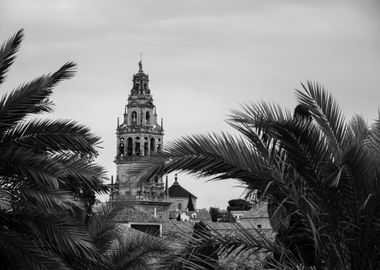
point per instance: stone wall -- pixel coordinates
(183, 201)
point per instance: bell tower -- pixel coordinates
(139, 135)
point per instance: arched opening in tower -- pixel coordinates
(129, 146)
(134, 118)
(152, 145)
(145, 148)
(137, 149)
(147, 118)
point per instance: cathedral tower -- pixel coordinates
(139, 135)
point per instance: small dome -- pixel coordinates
(177, 191)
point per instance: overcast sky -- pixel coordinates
(203, 57)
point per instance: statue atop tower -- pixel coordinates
(139, 135)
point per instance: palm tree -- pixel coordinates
(319, 173)
(123, 248)
(43, 164)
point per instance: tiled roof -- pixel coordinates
(174, 229)
(203, 214)
(179, 228)
(259, 210)
(129, 214)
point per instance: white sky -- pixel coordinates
(203, 58)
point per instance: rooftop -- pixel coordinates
(176, 190)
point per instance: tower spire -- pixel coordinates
(138, 138)
(140, 63)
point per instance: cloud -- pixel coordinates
(203, 57)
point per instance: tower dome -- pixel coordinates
(140, 83)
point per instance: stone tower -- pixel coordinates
(139, 135)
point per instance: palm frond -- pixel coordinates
(326, 112)
(358, 130)
(375, 133)
(82, 173)
(259, 110)
(5, 199)
(8, 52)
(104, 229)
(62, 234)
(50, 199)
(24, 252)
(43, 165)
(279, 138)
(31, 98)
(53, 135)
(246, 248)
(138, 251)
(220, 156)
(36, 168)
(247, 121)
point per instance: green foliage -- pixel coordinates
(238, 205)
(319, 173)
(199, 252)
(42, 162)
(227, 217)
(203, 255)
(122, 248)
(190, 205)
(215, 214)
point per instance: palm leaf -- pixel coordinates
(59, 232)
(259, 110)
(81, 172)
(50, 199)
(35, 168)
(375, 133)
(8, 53)
(24, 252)
(358, 130)
(53, 135)
(221, 156)
(31, 98)
(326, 112)
(138, 251)
(104, 229)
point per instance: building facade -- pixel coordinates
(139, 136)
(256, 217)
(179, 197)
